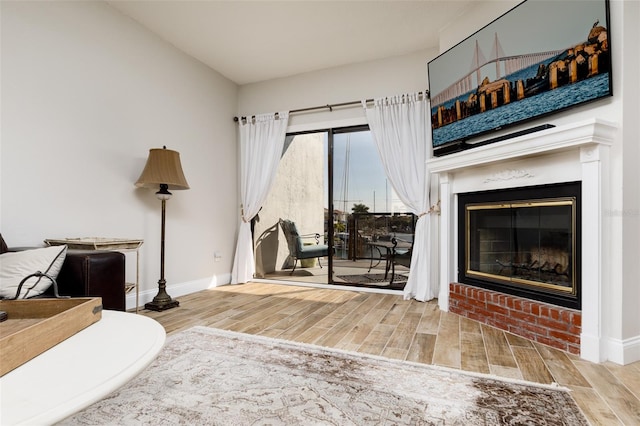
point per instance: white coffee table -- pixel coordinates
(81, 370)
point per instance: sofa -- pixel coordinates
(81, 273)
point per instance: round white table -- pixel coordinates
(80, 370)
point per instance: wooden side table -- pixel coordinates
(111, 244)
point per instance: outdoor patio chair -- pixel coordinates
(297, 249)
(396, 252)
(401, 256)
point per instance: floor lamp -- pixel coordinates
(163, 170)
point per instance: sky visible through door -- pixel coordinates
(359, 177)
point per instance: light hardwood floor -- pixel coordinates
(387, 325)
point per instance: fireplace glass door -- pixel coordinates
(523, 244)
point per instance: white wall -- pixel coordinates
(86, 92)
(627, 218)
(387, 77)
(398, 75)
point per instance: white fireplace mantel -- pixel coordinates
(555, 139)
(573, 152)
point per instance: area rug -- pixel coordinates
(205, 376)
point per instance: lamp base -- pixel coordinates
(162, 301)
(161, 306)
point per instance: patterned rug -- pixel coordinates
(205, 376)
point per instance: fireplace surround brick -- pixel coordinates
(547, 324)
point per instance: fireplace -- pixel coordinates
(571, 152)
(522, 241)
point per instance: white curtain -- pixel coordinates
(400, 131)
(261, 143)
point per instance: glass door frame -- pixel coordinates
(330, 180)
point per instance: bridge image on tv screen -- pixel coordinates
(544, 57)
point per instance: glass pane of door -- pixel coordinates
(373, 234)
(296, 201)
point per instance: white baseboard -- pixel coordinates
(599, 349)
(624, 351)
(177, 290)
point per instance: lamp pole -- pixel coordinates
(162, 300)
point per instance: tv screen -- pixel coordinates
(539, 58)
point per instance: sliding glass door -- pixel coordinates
(331, 189)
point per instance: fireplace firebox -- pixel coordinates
(523, 241)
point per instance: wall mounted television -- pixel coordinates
(539, 58)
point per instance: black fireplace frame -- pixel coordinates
(570, 189)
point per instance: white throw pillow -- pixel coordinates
(15, 266)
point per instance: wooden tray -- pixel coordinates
(36, 325)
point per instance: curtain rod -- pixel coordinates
(330, 107)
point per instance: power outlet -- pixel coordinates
(217, 256)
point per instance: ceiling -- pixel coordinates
(252, 41)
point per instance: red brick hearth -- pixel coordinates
(550, 325)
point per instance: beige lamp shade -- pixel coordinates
(163, 168)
